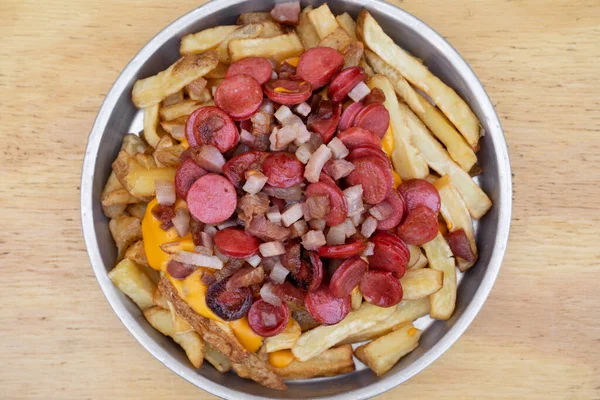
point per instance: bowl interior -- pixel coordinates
(119, 116)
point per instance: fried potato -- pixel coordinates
(152, 90)
(316, 341)
(338, 39)
(216, 358)
(180, 325)
(138, 180)
(125, 230)
(205, 40)
(168, 153)
(137, 210)
(456, 215)
(407, 311)
(254, 18)
(276, 47)
(323, 21)
(150, 124)
(304, 319)
(453, 106)
(217, 73)
(120, 196)
(136, 252)
(132, 280)
(286, 339)
(204, 96)
(114, 211)
(270, 29)
(356, 298)
(383, 353)
(112, 185)
(173, 98)
(146, 161)
(191, 342)
(353, 55)
(169, 125)
(348, 24)
(420, 283)
(408, 163)
(158, 299)
(415, 254)
(440, 258)
(306, 31)
(133, 144)
(243, 32)
(477, 202)
(181, 109)
(364, 65)
(421, 263)
(331, 362)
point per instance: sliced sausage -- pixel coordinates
(257, 67)
(236, 243)
(460, 245)
(348, 116)
(235, 169)
(228, 304)
(283, 169)
(318, 65)
(187, 173)
(375, 176)
(325, 308)
(376, 95)
(338, 208)
(211, 125)
(293, 296)
(381, 288)
(419, 192)
(287, 91)
(344, 82)
(212, 199)
(374, 117)
(419, 227)
(325, 121)
(368, 150)
(179, 270)
(390, 254)
(354, 137)
(347, 276)
(310, 274)
(239, 96)
(324, 178)
(267, 320)
(396, 203)
(350, 249)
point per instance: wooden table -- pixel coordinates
(538, 336)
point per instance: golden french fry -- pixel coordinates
(137, 210)
(348, 24)
(168, 153)
(204, 97)
(151, 123)
(138, 180)
(217, 73)
(353, 55)
(415, 254)
(158, 299)
(120, 196)
(180, 325)
(306, 31)
(146, 161)
(173, 98)
(136, 253)
(338, 39)
(114, 211)
(216, 358)
(254, 18)
(243, 32)
(270, 29)
(181, 109)
(420, 283)
(276, 47)
(315, 341)
(323, 21)
(169, 125)
(286, 339)
(133, 144)
(356, 298)
(131, 279)
(408, 163)
(456, 215)
(364, 65)
(112, 184)
(383, 353)
(407, 310)
(331, 362)
(125, 230)
(421, 263)
(152, 90)
(440, 258)
(205, 40)
(477, 202)
(454, 107)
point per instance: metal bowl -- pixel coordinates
(118, 116)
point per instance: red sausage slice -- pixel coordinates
(396, 203)
(348, 117)
(292, 296)
(256, 67)
(326, 120)
(419, 192)
(419, 227)
(344, 82)
(179, 270)
(324, 178)
(212, 199)
(310, 274)
(235, 169)
(210, 125)
(347, 276)
(374, 117)
(354, 137)
(239, 96)
(368, 150)
(228, 304)
(283, 169)
(381, 288)
(318, 65)
(267, 320)
(376, 95)
(325, 308)
(460, 245)
(288, 92)
(353, 248)
(375, 176)
(338, 208)
(390, 254)
(236, 243)
(187, 173)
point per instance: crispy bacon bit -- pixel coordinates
(338, 169)
(266, 230)
(164, 214)
(208, 278)
(299, 228)
(246, 276)
(254, 204)
(229, 269)
(196, 227)
(317, 206)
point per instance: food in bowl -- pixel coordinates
(273, 213)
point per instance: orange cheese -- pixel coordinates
(387, 143)
(397, 179)
(293, 61)
(281, 358)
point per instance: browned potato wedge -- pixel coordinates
(270, 29)
(276, 47)
(254, 18)
(117, 197)
(137, 210)
(173, 98)
(440, 258)
(420, 283)
(133, 144)
(125, 230)
(338, 39)
(146, 160)
(136, 253)
(353, 54)
(306, 31)
(205, 40)
(243, 32)
(114, 211)
(158, 299)
(112, 184)
(366, 67)
(305, 320)
(132, 280)
(331, 362)
(216, 358)
(138, 180)
(217, 73)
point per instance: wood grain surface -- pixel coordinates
(537, 337)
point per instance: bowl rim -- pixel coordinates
(386, 382)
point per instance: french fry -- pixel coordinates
(364, 65)
(286, 339)
(331, 362)
(348, 24)
(456, 215)
(168, 153)
(114, 211)
(173, 98)
(353, 55)
(415, 254)
(204, 96)
(254, 18)
(306, 31)
(112, 185)
(152, 90)
(205, 40)
(323, 21)
(136, 253)
(243, 32)
(158, 299)
(120, 196)
(440, 258)
(169, 125)
(420, 283)
(454, 107)
(270, 29)
(217, 73)
(146, 161)
(338, 40)
(137, 210)
(316, 341)
(356, 298)
(125, 230)
(191, 342)
(131, 279)
(133, 144)
(138, 180)
(276, 47)
(477, 202)
(407, 311)
(180, 325)
(383, 353)
(421, 263)
(150, 124)
(407, 161)
(181, 109)
(216, 358)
